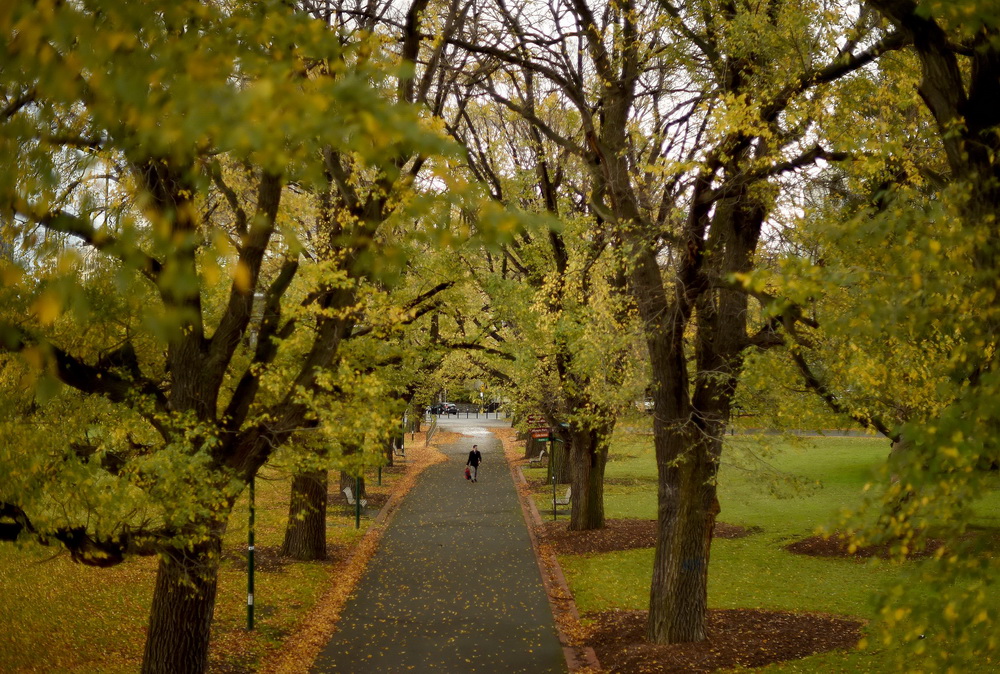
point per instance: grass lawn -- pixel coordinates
(65, 617)
(784, 488)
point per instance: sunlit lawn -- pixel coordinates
(786, 488)
(58, 616)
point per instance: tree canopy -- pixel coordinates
(231, 231)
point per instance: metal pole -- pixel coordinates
(380, 476)
(250, 527)
(357, 503)
(555, 471)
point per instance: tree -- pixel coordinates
(689, 117)
(351, 190)
(906, 286)
(557, 306)
(150, 410)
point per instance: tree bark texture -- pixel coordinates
(691, 417)
(389, 449)
(305, 533)
(357, 486)
(180, 618)
(687, 509)
(559, 463)
(588, 456)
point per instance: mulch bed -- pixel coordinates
(838, 546)
(624, 534)
(375, 501)
(736, 638)
(267, 558)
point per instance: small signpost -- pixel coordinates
(539, 426)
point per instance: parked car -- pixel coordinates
(443, 408)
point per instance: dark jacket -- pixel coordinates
(474, 458)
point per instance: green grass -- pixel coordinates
(786, 488)
(60, 616)
(753, 572)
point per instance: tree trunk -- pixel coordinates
(588, 457)
(396, 440)
(559, 463)
(687, 510)
(533, 448)
(358, 489)
(564, 467)
(180, 618)
(305, 533)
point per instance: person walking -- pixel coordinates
(473, 463)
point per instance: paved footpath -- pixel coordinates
(454, 586)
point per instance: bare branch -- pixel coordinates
(18, 103)
(231, 198)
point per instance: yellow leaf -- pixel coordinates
(242, 277)
(950, 452)
(47, 307)
(211, 273)
(10, 275)
(33, 356)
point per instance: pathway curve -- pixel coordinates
(454, 586)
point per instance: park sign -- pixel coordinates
(538, 426)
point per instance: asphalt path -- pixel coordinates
(454, 586)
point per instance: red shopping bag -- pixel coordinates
(468, 473)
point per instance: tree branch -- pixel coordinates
(816, 385)
(265, 351)
(84, 547)
(472, 346)
(18, 103)
(236, 318)
(230, 194)
(83, 229)
(81, 376)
